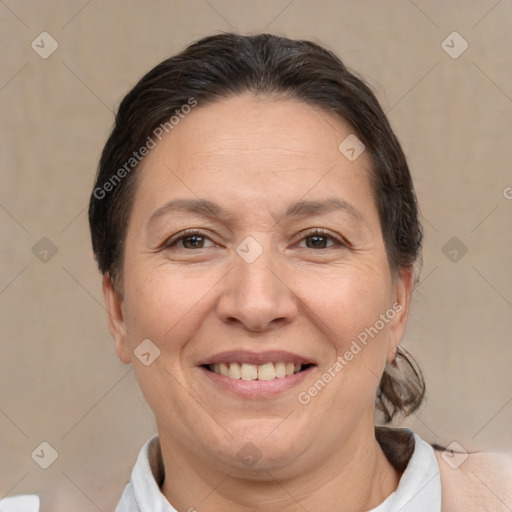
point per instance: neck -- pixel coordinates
(356, 477)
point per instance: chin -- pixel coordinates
(260, 446)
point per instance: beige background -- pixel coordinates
(60, 380)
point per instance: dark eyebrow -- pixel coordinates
(299, 208)
(198, 206)
(304, 207)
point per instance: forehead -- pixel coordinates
(249, 149)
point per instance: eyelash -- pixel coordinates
(172, 242)
(325, 234)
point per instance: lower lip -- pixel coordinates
(256, 389)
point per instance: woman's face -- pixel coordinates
(284, 263)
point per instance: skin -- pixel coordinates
(254, 156)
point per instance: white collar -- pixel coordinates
(419, 489)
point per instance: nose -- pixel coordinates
(257, 295)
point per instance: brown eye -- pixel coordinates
(317, 241)
(189, 240)
(193, 242)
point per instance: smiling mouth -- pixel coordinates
(266, 371)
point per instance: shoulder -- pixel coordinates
(475, 482)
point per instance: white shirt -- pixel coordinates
(419, 489)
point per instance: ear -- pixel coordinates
(114, 305)
(401, 297)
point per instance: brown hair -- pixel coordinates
(229, 64)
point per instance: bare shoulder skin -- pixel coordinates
(482, 482)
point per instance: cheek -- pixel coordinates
(166, 310)
(165, 306)
(351, 301)
(355, 313)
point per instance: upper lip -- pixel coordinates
(258, 358)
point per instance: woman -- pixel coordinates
(256, 226)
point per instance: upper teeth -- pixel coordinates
(245, 371)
